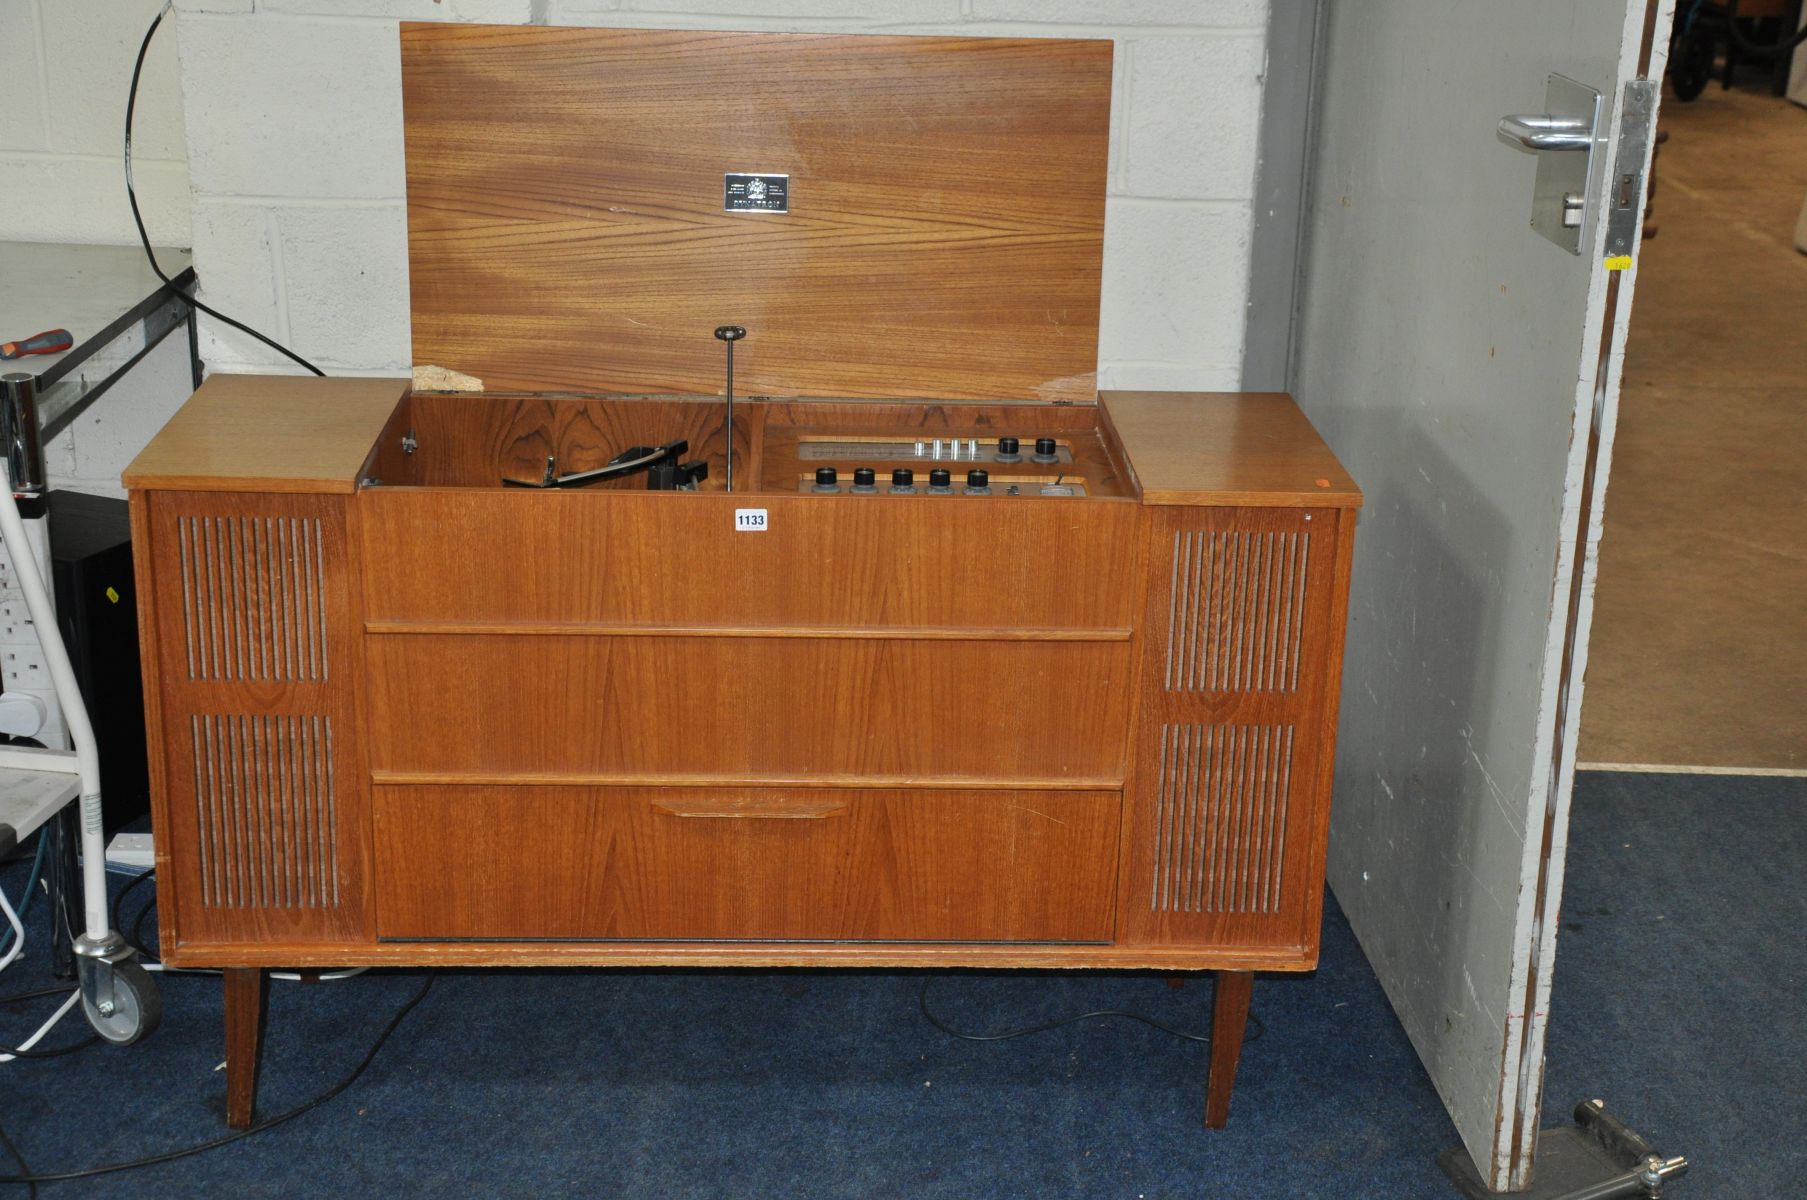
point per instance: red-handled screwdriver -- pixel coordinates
(48, 342)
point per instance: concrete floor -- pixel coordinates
(1699, 646)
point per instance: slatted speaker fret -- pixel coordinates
(266, 811)
(1236, 615)
(1220, 835)
(253, 603)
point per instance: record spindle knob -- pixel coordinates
(729, 333)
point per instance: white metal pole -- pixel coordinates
(69, 697)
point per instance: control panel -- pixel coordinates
(1045, 451)
(1040, 466)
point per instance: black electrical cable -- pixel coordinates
(136, 941)
(24, 1167)
(132, 938)
(27, 1177)
(38, 994)
(922, 1000)
(125, 891)
(58, 1052)
(144, 238)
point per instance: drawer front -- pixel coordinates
(678, 559)
(675, 864)
(627, 710)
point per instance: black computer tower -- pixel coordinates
(97, 609)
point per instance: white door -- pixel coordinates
(1465, 369)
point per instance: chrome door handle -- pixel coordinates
(1563, 138)
(1541, 131)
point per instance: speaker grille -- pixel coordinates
(1220, 835)
(266, 811)
(252, 597)
(1236, 614)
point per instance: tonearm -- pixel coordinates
(663, 471)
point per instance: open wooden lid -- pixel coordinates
(568, 227)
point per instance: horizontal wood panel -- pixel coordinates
(740, 708)
(764, 779)
(929, 955)
(566, 229)
(1226, 448)
(917, 633)
(649, 558)
(663, 864)
(269, 433)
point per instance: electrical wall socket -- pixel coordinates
(23, 669)
(16, 625)
(132, 851)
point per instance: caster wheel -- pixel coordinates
(1691, 65)
(137, 1006)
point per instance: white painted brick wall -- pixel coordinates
(293, 118)
(90, 455)
(64, 66)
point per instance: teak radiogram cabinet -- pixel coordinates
(1072, 704)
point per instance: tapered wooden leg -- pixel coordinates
(1229, 1018)
(244, 1032)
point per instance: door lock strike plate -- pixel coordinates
(1625, 212)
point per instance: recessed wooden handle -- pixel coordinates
(781, 807)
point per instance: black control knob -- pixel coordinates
(941, 477)
(978, 479)
(903, 477)
(864, 477)
(826, 479)
(1008, 445)
(1046, 449)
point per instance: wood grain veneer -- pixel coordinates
(929, 955)
(416, 717)
(566, 230)
(561, 643)
(269, 433)
(643, 864)
(1223, 448)
(731, 708)
(475, 441)
(1224, 823)
(675, 559)
(258, 748)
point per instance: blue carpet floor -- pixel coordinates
(1676, 1001)
(1680, 974)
